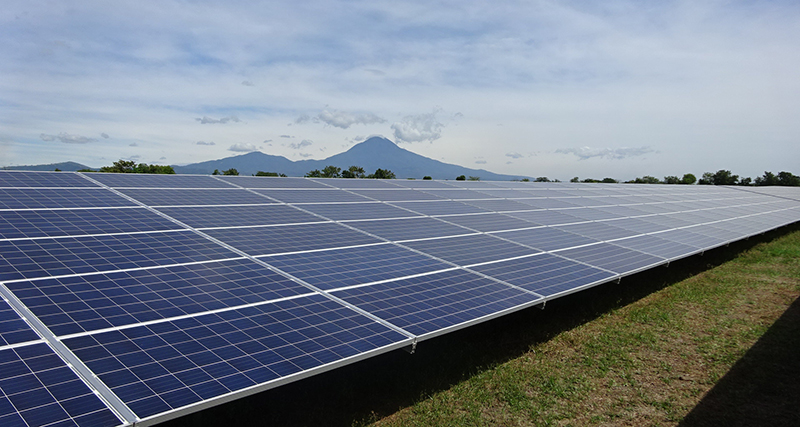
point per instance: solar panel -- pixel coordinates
(134, 299)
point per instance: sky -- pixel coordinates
(560, 89)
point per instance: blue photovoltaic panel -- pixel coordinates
(458, 194)
(588, 214)
(355, 211)
(505, 193)
(313, 196)
(440, 207)
(428, 304)
(488, 222)
(543, 203)
(614, 258)
(144, 180)
(76, 222)
(194, 196)
(637, 225)
(13, 330)
(591, 201)
(172, 364)
(597, 230)
(545, 217)
(238, 216)
(546, 238)
(27, 259)
(477, 185)
(415, 183)
(396, 195)
(353, 266)
(410, 229)
(356, 183)
(657, 246)
(43, 179)
(69, 305)
(38, 389)
(468, 250)
(546, 274)
(499, 205)
(270, 182)
(39, 198)
(291, 238)
(692, 239)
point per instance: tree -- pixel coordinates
(706, 179)
(746, 181)
(313, 174)
(769, 178)
(231, 171)
(609, 181)
(525, 180)
(331, 172)
(575, 179)
(788, 179)
(474, 178)
(647, 179)
(382, 174)
(542, 179)
(260, 173)
(216, 172)
(688, 179)
(130, 166)
(672, 179)
(725, 177)
(354, 172)
(461, 178)
(426, 177)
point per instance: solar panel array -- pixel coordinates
(138, 298)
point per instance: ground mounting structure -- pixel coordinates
(133, 299)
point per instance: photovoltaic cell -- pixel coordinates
(657, 246)
(144, 180)
(355, 211)
(597, 230)
(545, 203)
(396, 195)
(499, 205)
(43, 179)
(291, 238)
(409, 229)
(457, 194)
(313, 196)
(546, 238)
(353, 266)
(614, 258)
(172, 364)
(13, 330)
(689, 238)
(28, 259)
(45, 198)
(545, 217)
(238, 216)
(75, 304)
(38, 389)
(429, 304)
(270, 182)
(440, 207)
(468, 250)
(355, 183)
(546, 274)
(488, 222)
(75, 222)
(193, 196)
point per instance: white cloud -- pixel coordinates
(67, 138)
(248, 83)
(305, 155)
(418, 128)
(287, 136)
(133, 144)
(299, 145)
(243, 147)
(480, 162)
(105, 135)
(584, 153)
(205, 143)
(514, 155)
(205, 120)
(343, 119)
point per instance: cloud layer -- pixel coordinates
(584, 153)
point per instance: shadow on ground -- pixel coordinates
(763, 387)
(379, 386)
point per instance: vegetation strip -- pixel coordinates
(708, 346)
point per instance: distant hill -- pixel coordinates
(371, 154)
(64, 166)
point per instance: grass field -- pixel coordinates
(710, 340)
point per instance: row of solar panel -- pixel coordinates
(171, 319)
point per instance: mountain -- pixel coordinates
(64, 166)
(371, 154)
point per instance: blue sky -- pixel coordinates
(540, 88)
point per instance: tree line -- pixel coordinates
(720, 177)
(351, 172)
